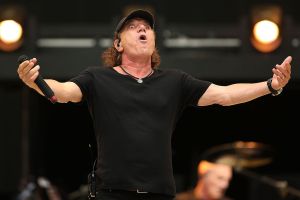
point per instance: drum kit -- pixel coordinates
(240, 154)
(244, 156)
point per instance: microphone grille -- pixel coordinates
(22, 58)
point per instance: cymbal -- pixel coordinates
(240, 154)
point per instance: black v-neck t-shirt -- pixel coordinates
(133, 124)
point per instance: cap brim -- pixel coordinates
(136, 14)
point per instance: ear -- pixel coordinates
(205, 166)
(117, 45)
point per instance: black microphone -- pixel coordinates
(41, 83)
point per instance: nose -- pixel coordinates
(141, 27)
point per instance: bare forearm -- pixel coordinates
(58, 89)
(240, 93)
(244, 92)
(62, 91)
(55, 86)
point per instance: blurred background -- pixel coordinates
(221, 41)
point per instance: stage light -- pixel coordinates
(266, 28)
(11, 27)
(266, 31)
(10, 31)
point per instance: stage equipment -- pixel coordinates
(242, 156)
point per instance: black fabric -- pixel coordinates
(133, 124)
(130, 195)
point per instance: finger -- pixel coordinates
(34, 76)
(27, 77)
(280, 81)
(30, 78)
(22, 66)
(287, 60)
(288, 67)
(28, 67)
(34, 60)
(35, 69)
(283, 70)
(278, 73)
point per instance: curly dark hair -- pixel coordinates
(111, 57)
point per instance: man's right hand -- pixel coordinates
(28, 72)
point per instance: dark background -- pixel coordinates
(58, 135)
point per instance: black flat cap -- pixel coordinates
(143, 14)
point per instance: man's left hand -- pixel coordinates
(281, 74)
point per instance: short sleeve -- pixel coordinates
(192, 89)
(84, 80)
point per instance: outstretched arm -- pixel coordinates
(64, 92)
(244, 92)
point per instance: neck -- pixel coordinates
(199, 192)
(136, 65)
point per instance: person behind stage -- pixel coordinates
(213, 181)
(135, 107)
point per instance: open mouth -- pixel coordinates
(143, 38)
